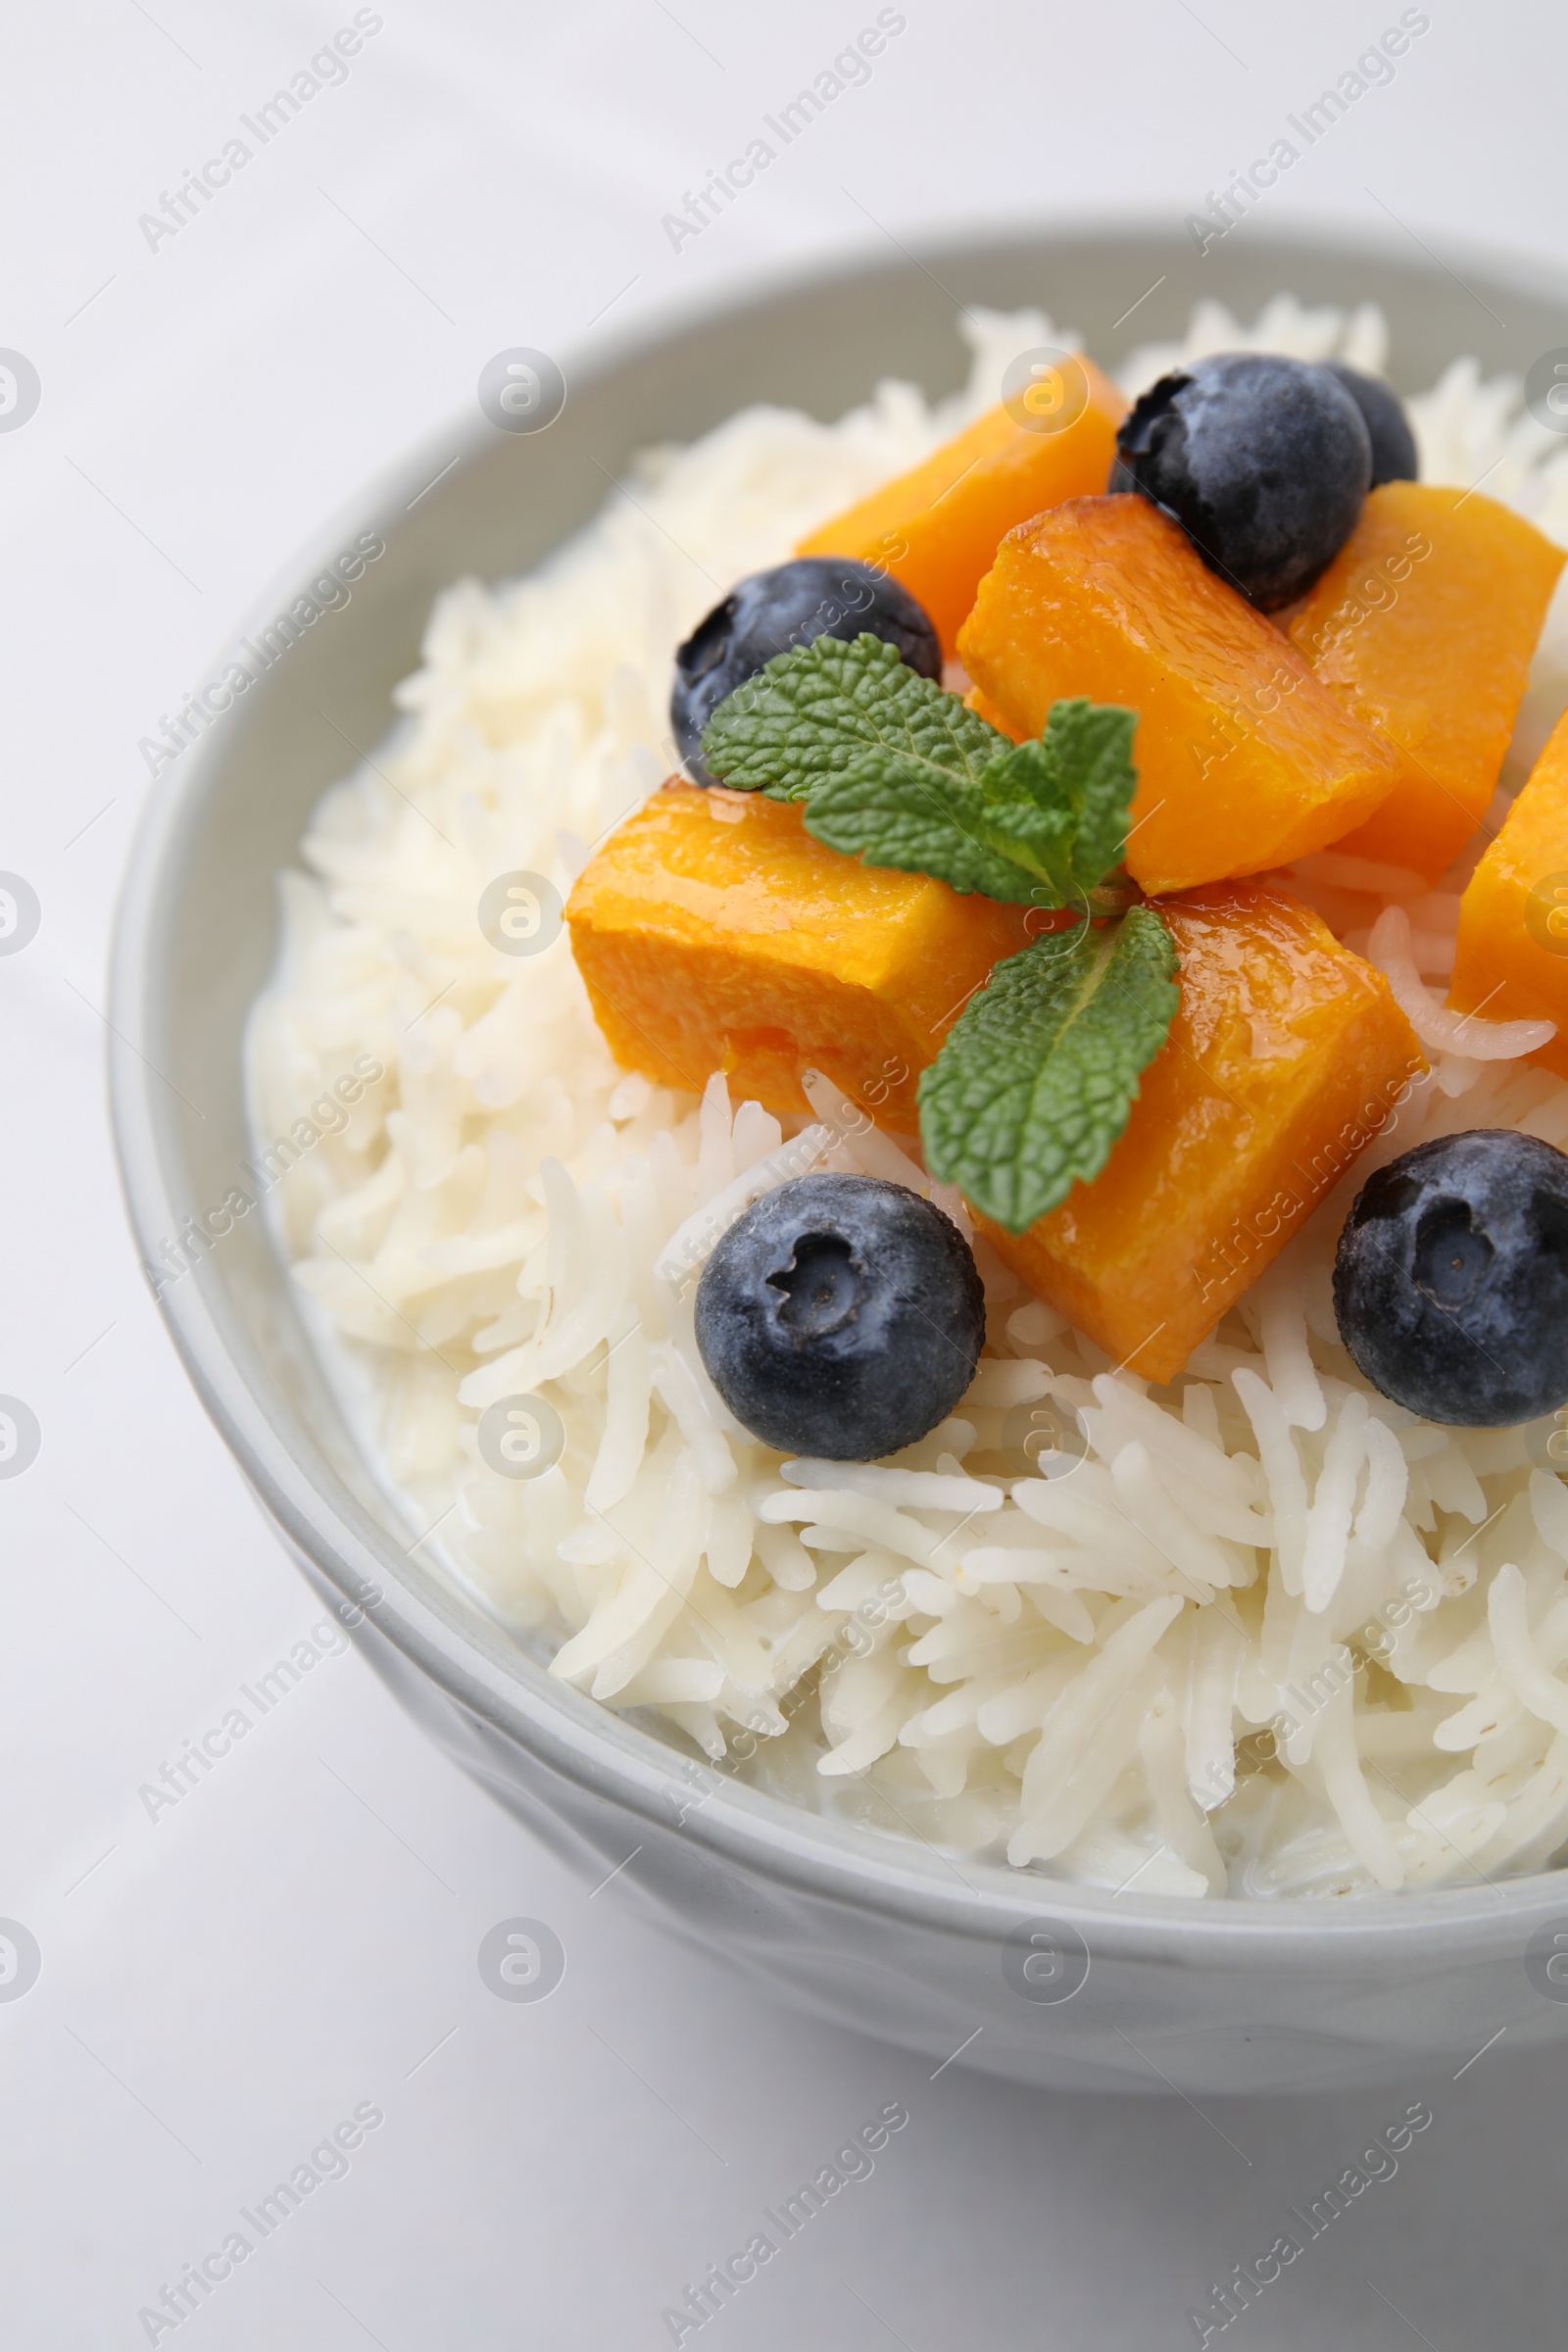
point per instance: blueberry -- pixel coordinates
(1263, 462)
(1450, 1285)
(841, 1317)
(1393, 458)
(816, 596)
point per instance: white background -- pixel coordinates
(221, 1987)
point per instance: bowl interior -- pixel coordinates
(199, 926)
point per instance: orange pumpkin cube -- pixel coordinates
(715, 932)
(1512, 959)
(1245, 759)
(1287, 1055)
(938, 528)
(1423, 628)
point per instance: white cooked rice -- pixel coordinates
(1079, 1671)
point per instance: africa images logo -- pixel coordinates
(328, 70)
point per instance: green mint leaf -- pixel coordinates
(899, 773)
(891, 811)
(1080, 773)
(1040, 827)
(818, 708)
(1035, 1081)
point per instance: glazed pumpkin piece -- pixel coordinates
(1245, 761)
(1423, 628)
(1512, 959)
(715, 932)
(938, 528)
(1286, 1058)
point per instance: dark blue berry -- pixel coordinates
(841, 1317)
(815, 596)
(1393, 458)
(1263, 462)
(1450, 1285)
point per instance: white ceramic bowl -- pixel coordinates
(870, 1930)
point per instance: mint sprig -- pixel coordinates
(897, 772)
(1036, 1080)
(887, 810)
(1042, 826)
(1038, 1075)
(815, 709)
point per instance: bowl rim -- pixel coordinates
(902, 1879)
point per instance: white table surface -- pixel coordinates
(223, 1984)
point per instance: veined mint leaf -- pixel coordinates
(891, 811)
(818, 708)
(897, 772)
(1081, 773)
(1040, 827)
(1035, 1081)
